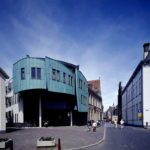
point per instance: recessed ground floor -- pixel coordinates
(56, 109)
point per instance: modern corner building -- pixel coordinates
(136, 93)
(3, 77)
(49, 90)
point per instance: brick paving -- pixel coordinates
(71, 137)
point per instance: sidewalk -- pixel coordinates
(71, 137)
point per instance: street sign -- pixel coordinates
(139, 113)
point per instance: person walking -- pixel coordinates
(121, 123)
(94, 125)
(115, 123)
(88, 125)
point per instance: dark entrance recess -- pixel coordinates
(31, 107)
(56, 108)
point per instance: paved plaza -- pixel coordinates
(71, 137)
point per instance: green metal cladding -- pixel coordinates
(46, 82)
(82, 107)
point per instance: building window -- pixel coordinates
(38, 73)
(33, 73)
(80, 83)
(69, 80)
(22, 73)
(64, 77)
(58, 75)
(84, 100)
(53, 74)
(81, 99)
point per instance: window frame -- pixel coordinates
(22, 73)
(64, 77)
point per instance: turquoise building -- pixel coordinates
(51, 90)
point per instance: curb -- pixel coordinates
(100, 141)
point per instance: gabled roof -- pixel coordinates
(147, 59)
(4, 73)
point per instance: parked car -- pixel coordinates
(107, 120)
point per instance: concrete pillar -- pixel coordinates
(21, 108)
(40, 112)
(71, 118)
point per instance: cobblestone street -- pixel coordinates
(71, 137)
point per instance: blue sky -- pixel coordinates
(104, 37)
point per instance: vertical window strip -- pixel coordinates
(22, 73)
(64, 77)
(53, 74)
(58, 75)
(38, 73)
(33, 74)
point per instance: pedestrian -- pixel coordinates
(121, 122)
(46, 123)
(94, 125)
(115, 123)
(88, 125)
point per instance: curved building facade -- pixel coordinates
(51, 90)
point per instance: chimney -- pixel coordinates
(146, 47)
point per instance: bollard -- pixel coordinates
(147, 125)
(11, 145)
(59, 144)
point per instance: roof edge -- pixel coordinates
(4, 73)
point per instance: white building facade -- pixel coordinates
(3, 77)
(14, 105)
(136, 94)
(95, 106)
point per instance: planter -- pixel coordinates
(46, 141)
(4, 143)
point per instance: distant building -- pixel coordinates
(95, 86)
(112, 113)
(136, 94)
(3, 77)
(95, 111)
(120, 102)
